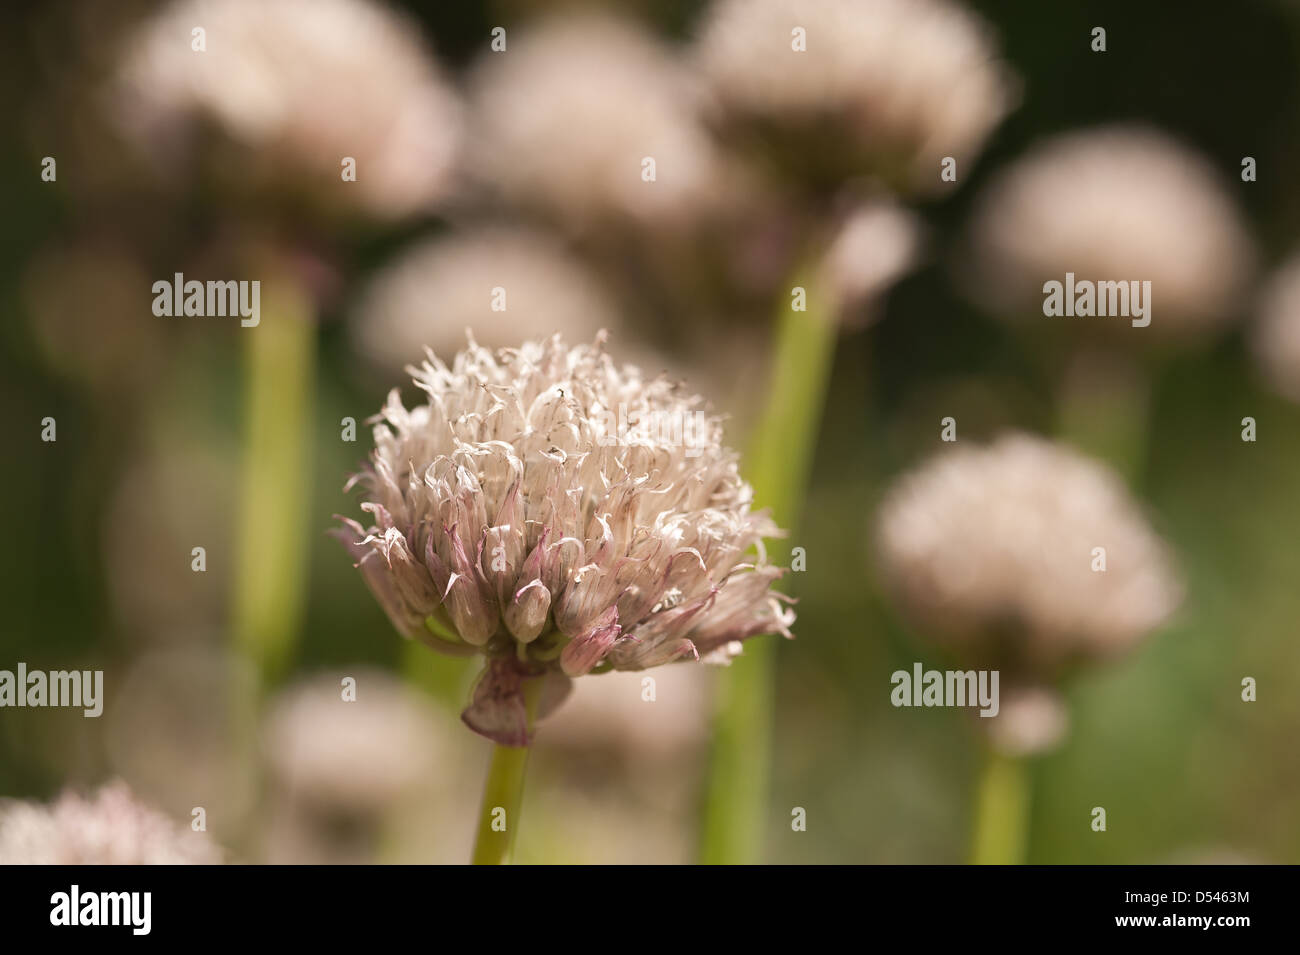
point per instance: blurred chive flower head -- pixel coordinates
(883, 86)
(1030, 720)
(386, 736)
(1275, 337)
(290, 87)
(609, 716)
(469, 274)
(1115, 203)
(564, 123)
(990, 551)
(877, 244)
(111, 827)
(559, 514)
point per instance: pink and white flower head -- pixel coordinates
(559, 514)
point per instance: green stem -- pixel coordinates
(270, 566)
(503, 794)
(498, 817)
(1001, 811)
(1104, 410)
(778, 464)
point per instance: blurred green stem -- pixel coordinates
(443, 677)
(778, 463)
(270, 567)
(1001, 811)
(1104, 401)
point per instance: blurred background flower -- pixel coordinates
(878, 243)
(362, 769)
(564, 120)
(291, 87)
(993, 554)
(888, 87)
(1113, 204)
(506, 285)
(109, 827)
(1021, 559)
(1275, 339)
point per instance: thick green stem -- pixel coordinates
(778, 464)
(270, 566)
(1001, 811)
(498, 817)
